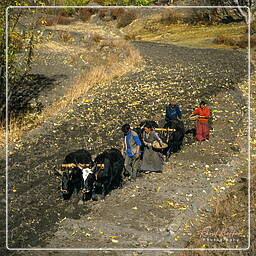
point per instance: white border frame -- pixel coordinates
(249, 133)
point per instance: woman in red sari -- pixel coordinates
(202, 127)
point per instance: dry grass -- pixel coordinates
(231, 209)
(54, 20)
(199, 36)
(66, 37)
(64, 20)
(96, 37)
(130, 37)
(111, 69)
(238, 41)
(2, 135)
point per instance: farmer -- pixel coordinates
(152, 159)
(131, 151)
(202, 127)
(172, 111)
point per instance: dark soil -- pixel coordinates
(153, 211)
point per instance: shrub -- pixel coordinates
(72, 11)
(63, 20)
(66, 37)
(116, 13)
(253, 27)
(85, 13)
(170, 16)
(76, 2)
(50, 21)
(137, 2)
(17, 39)
(103, 13)
(223, 39)
(127, 18)
(253, 40)
(96, 37)
(241, 42)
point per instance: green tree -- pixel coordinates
(17, 41)
(136, 2)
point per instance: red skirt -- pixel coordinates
(202, 131)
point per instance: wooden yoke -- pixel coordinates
(80, 165)
(165, 129)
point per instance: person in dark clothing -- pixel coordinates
(152, 160)
(172, 111)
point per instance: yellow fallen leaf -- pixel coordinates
(14, 190)
(186, 226)
(114, 241)
(170, 203)
(135, 208)
(216, 190)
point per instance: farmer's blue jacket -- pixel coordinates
(172, 113)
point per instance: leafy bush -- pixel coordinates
(18, 41)
(136, 2)
(106, 2)
(72, 11)
(76, 2)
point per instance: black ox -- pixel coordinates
(73, 167)
(173, 139)
(107, 174)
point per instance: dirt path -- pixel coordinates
(157, 209)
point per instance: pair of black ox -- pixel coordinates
(174, 139)
(81, 173)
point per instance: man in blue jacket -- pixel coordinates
(131, 151)
(172, 111)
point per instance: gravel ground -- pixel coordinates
(158, 210)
